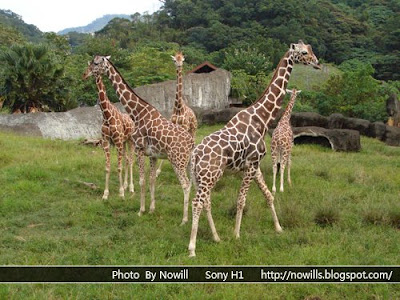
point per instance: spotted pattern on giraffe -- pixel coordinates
(117, 128)
(240, 146)
(154, 135)
(282, 142)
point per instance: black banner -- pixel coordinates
(199, 274)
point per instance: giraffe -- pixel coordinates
(240, 146)
(282, 142)
(154, 135)
(182, 114)
(117, 128)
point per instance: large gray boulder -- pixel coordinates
(83, 122)
(392, 136)
(216, 116)
(302, 119)
(336, 139)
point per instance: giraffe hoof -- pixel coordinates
(192, 253)
(158, 172)
(279, 229)
(140, 213)
(217, 239)
(183, 222)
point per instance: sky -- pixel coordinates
(55, 15)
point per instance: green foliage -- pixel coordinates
(354, 93)
(34, 78)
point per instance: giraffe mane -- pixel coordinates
(128, 86)
(273, 77)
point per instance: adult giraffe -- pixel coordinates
(240, 146)
(154, 135)
(117, 128)
(182, 114)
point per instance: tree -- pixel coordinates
(34, 79)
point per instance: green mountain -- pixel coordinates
(96, 25)
(9, 19)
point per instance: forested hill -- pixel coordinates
(12, 21)
(94, 26)
(359, 39)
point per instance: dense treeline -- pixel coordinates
(246, 37)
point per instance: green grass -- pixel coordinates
(308, 79)
(343, 209)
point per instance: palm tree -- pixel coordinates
(33, 78)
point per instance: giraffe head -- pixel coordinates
(303, 54)
(178, 59)
(293, 92)
(97, 67)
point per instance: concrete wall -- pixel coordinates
(203, 91)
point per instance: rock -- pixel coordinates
(303, 119)
(337, 139)
(216, 116)
(377, 130)
(336, 121)
(392, 136)
(83, 122)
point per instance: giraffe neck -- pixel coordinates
(132, 103)
(271, 101)
(103, 99)
(178, 107)
(288, 111)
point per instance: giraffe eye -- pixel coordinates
(304, 52)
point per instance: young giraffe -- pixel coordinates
(182, 114)
(282, 142)
(118, 128)
(154, 135)
(240, 146)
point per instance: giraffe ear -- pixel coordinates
(88, 63)
(173, 57)
(293, 46)
(289, 91)
(108, 57)
(299, 91)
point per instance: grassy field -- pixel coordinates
(343, 209)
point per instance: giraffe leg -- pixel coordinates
(288, 170)
(126, 158)
(283, 165)
(269, 197)
(202, 196)
(106, 148)
(129, 158)
(158, 172)
(142, 182)
(186, 186)
(121, 154)
(207, 207)
(153, 166)
(241, 202)
(275, 170)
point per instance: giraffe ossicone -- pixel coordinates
(240, 146)
(282, 143)
(154, 135)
